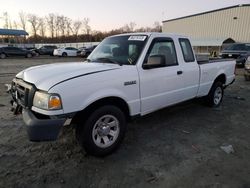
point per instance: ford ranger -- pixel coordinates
(125, 76)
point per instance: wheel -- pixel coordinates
(215, 95)
(2, 56)
(64, 54)
(247, 78)
(103, 131)
(29, 55)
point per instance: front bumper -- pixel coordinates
(42, 129)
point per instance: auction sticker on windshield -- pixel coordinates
(137, 37)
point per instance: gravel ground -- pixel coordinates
(174, 147)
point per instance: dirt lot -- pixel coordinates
(174, 147)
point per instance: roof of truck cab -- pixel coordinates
(154, 34)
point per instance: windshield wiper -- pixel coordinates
(104, 59)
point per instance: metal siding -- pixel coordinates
(217, 24)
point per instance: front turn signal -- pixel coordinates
(54, 103)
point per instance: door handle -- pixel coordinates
(179, 72)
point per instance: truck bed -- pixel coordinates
(214, 60)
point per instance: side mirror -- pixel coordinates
(154, 61)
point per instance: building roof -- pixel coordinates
(216, 10)
(13, 32)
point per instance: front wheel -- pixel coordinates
(103, 132)
(215, 96)
(2, 56)
(29, 55)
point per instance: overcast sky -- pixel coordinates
(111, 14)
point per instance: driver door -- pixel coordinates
(160, 85)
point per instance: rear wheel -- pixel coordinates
(103, 132)
(2, 56)
(215, 96)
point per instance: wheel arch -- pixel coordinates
(220, 78)
(116, 101)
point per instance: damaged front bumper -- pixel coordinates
(39, 127)
(42, 129)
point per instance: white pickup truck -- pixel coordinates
(125, 76)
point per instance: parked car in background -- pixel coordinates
(65, 51)
(14, 51)
(247, 69)
(238, 51)
(80, 50)
(87, 51)
(45, 50)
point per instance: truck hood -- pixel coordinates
(45, 77)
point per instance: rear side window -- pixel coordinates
(186, 50)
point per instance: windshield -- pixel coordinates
(123, 50)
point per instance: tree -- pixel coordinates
(132, 26)
(51, 24)
(129, 27)
(57, 25)
(42, 28)
(7, 22)
(86, 26)
(76, 27)
(15, 26)
(23, 20)
(68, 24)
(157, 27)
(34, 21)
(62, 24)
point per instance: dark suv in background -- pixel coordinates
(45, 50)
(14, 51)
(238, 51)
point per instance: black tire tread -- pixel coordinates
(210, 96)
(84, 131)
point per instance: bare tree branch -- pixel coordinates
(34, 21)
(23, 20)
(76, 27)
(42, 28)
(51, 24)
(86, 26)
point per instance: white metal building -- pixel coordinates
(209, 30)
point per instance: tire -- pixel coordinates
(215, 95)
(64, 54)
(29, 55)
(103, 131)
(2, 56)
(247, 78)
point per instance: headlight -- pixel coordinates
(47, 101)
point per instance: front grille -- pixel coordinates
(22, 92)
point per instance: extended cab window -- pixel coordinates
(162, 52)
(187, 51)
